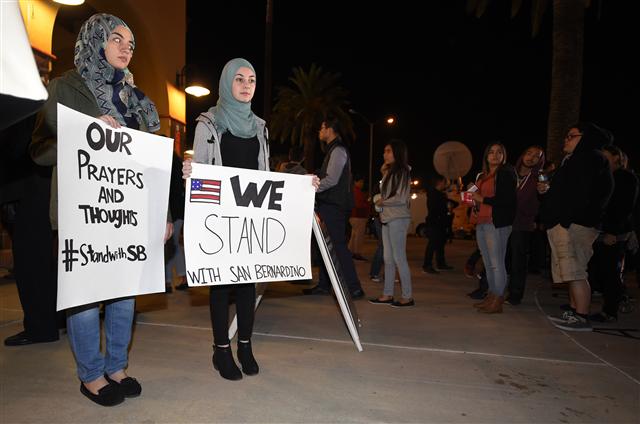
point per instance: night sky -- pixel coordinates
(481, 80)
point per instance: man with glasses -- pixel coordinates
(573, 206)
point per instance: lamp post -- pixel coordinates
(390, 121)
(355, 112)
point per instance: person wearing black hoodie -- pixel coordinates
(527, 170)
(607, 263)
(572, 209)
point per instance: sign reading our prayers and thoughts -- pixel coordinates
(113, 190)
(247, 226)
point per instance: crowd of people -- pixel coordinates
(586, 207)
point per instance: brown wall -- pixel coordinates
(160, 31)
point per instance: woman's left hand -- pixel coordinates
(168, 231)
(477, 197)
(315, 181)
(379, 202)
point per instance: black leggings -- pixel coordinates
(219, 308)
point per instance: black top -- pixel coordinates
(239, 152)
(580, 189)
(437, 208)
(618, 215)
(340, 195)
(503, 203)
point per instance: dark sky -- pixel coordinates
(444, 75)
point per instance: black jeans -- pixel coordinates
(219, 309)
(605, 271)
(437, 240)
(519, 242)
(34, 265)
(335, 220)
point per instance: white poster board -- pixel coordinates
(113, 191)
(247, 226)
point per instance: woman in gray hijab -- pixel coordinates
(100, 86)
(230, 134)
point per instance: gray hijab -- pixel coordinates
(101, 77)
(231, 114)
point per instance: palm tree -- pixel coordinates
(566, 68)
(299, 110)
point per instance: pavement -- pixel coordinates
(438, 362)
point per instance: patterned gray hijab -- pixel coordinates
(232, 114)
(101, 77)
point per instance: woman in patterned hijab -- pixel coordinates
(103, 50)
(101, 86)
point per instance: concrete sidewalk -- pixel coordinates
(440, 361)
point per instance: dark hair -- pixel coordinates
(434, 179)
(485, 162)
(398, 174)
(296, 153)
(616, 152)
(331, 121)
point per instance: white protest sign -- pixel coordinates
(246, 226)
(113, 190)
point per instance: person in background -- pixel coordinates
(334, 201)
(395, 193)
(528, 168)
(174, 249)
(607, 263)
(358, 219)
(572, 208)
(294, 166)
(437, 223)
(101, 86)
(496, 196)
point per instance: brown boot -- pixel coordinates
(493, 307)
(484, 301)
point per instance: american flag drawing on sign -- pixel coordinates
(205, 191)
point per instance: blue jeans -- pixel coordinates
(83, 327)
(493, 242)
(376, 262)
(394, 238)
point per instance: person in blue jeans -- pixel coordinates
(100, 86)
(377, 261)
(496, 197)
(395, 217)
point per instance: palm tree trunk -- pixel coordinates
(566, 73)
(309, 152)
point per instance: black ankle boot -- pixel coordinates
(224, 363)
(246, 359)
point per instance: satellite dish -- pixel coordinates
(452, 159)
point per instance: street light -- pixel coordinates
(194, 89)
(390, 121)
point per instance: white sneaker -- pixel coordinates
(574, 323)
(561, 318)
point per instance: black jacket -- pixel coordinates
(581, 187)
(618, 216)
(503, 203)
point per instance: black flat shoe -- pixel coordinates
(246, 359)
(377, 301)
(357, 294)
(223, 363)
(129, 386)
(109, 395)
(315, 290)
(23, 339)
(398, 304)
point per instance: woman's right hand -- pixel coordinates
(542, 187)
(186, 168)
(110, 120)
